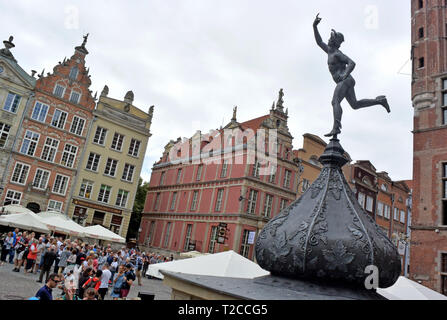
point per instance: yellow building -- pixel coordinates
(111, 164)
(16, 92)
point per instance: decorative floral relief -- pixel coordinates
(338, 257)
(335, 186)
(318, 185)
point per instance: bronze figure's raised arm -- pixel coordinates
(341, 67)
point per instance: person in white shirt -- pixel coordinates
(105, 278)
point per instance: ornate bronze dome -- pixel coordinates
(326, 235)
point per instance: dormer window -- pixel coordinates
(73, 73)
(278, 123)
(75, 96)
(59, 91)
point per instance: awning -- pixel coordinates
(58, 222)
(26, 221)
(406, 289)
(99, 232)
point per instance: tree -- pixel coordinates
(138, 206)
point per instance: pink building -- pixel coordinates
(212, 192)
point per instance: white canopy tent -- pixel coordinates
(26, 220)
(406, 289)
(192, 254)
(14, 208)
(55, 221)
(223, 264)
(99, 232)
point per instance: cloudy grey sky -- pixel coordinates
(195, 59)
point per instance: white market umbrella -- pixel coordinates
(14, 208)
(406, 289)
(223, 264)
(26, 220)
(192, 254)
(58, 222)
(99, 232)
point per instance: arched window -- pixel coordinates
(73, 73)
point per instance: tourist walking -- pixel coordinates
(48, 260)
(105, 278)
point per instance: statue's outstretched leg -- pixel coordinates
(364, 103)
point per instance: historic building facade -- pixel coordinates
(51, 137)
(16, 93)
(429, 96)
(109, 172)
(213, 192)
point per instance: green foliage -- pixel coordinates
(137, 210)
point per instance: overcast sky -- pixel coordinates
(196, 59)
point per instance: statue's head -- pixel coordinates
(336, 39)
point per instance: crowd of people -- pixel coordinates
(83, 271)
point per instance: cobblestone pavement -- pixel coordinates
(20, 286)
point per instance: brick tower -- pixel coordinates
(429, 96)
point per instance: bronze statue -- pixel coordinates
(341, 67)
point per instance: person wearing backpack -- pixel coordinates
(93, 282)
(129, 278)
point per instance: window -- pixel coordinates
(29, 143)
(267, 206)
(444, 101)
(59, 91)
(49, 149)
(283, 204)
(223, 173)
(380, 209)
(121, 199)
(100, 136)
(41, 179)
(421, 4)
(384, 187)
(361, 198)
(387, 211)
(174, 198)
(73, 73)
(60, 184)
(12, 102)
(396, 214)
(179, 175)
(59, 118)
(39, 112)
(213, 239)
(255, 172)
(272, 174)
(195, 197)
(98, 217)
(77, 126)
(20, 173)
(245, 247)
(157, 201)
(4, 133)
(287, 175)
(75, 96)
(69, 155)
(306, 185)
(421, 62)
(443, 274)
(187, 237)
(134, 147)
(218, 206)
(110, 169)
(252, 201)
(199, 172)
(162, 178)
(128, 172)
(167, 235)
(86, 189)
(12, 197)
(104, 193)
(151, 233)
(402, 216)
(421, 33)
(93, 161)
(369, 203)
(54, 205)
(115, 223)
(117, 142)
